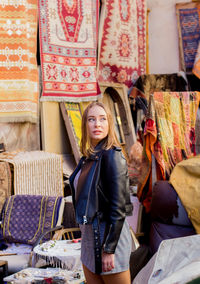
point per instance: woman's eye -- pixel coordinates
(91, 119)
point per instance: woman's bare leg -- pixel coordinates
(123, 277)
(92, 278)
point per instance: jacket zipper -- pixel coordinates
(87, 205)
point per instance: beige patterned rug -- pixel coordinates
(36, 172)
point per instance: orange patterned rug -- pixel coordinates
(18, 66)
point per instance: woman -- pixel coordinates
(101, 198)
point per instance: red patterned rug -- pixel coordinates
(68, 36)
(122, 41)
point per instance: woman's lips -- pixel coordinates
(97, 132)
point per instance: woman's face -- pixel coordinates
(97, 123)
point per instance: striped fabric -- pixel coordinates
(36, 172)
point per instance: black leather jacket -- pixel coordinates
(104, 188)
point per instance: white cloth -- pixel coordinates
(16, 248)
(176, 261)
(35, 275)
(62, 253)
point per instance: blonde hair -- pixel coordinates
(109, 141)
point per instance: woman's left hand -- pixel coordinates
(108, 262)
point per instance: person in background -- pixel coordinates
(101, 198)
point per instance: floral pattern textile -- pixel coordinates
(169, 135)
(122, 41)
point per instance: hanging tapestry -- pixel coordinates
(189, 33)
(122, 41)
(169, 135)
(68, 37)
(5, 182)
(18, 66)
(36, 172)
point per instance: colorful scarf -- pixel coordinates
(169, 135)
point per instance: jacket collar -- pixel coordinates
(97, 151)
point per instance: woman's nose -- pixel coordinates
(97, 122)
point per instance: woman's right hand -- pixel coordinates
(108, 262)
